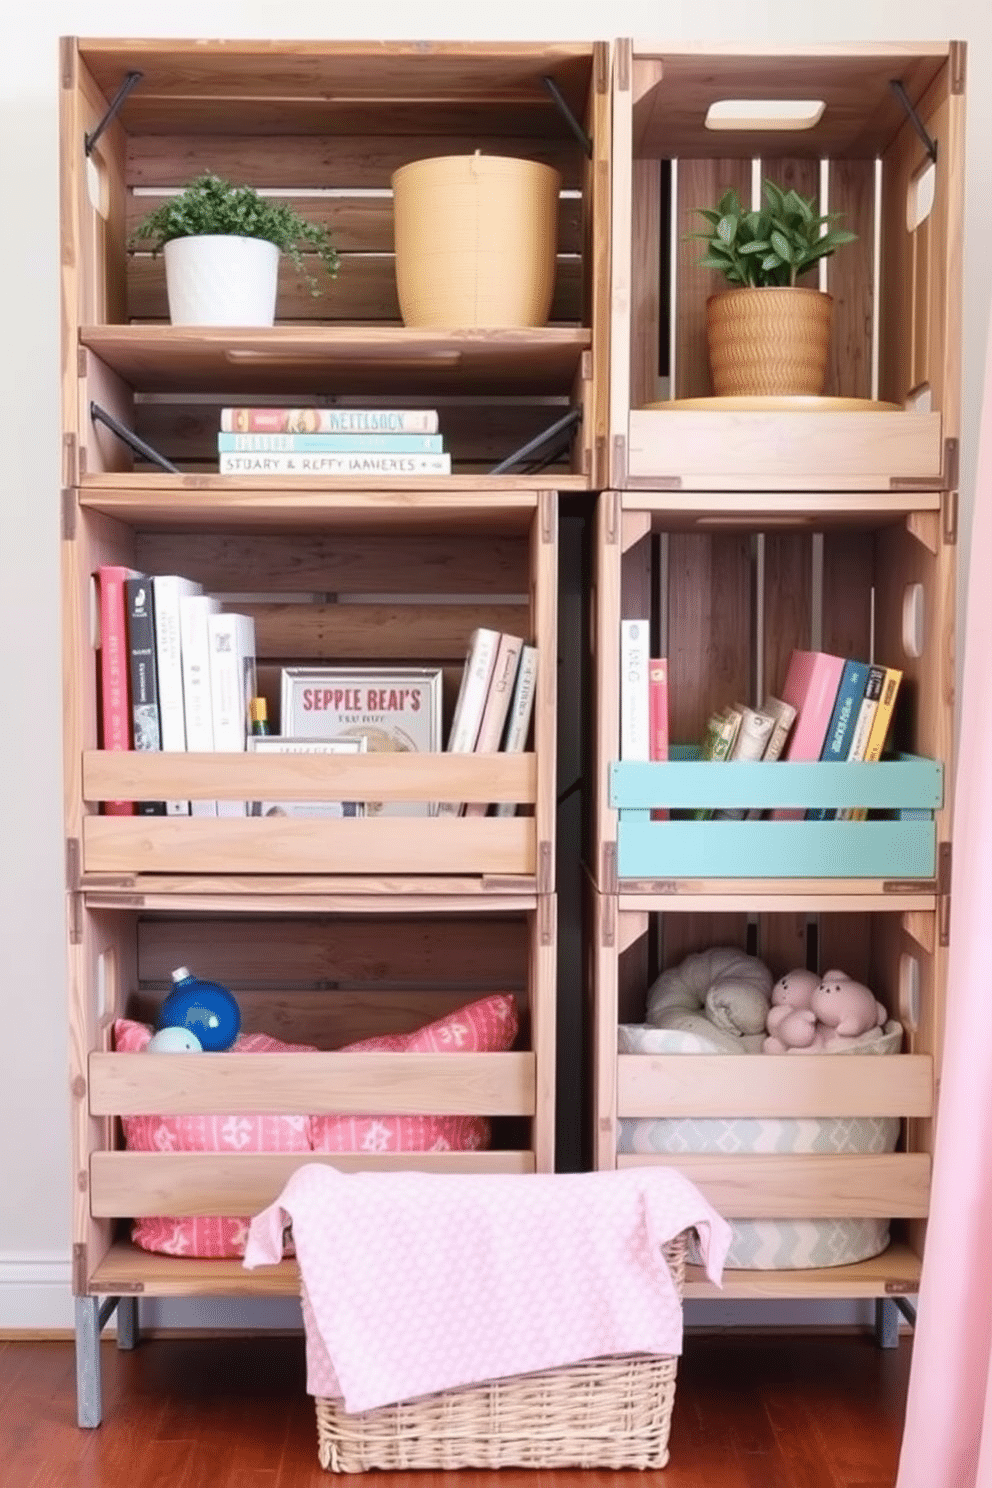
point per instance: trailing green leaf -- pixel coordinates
(210, 205)
(773, 246)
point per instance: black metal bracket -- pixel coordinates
(573, 416)
(101, 416)
(568, 116)
(914, 118)
(89, 140)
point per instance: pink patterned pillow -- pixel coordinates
(486, 1026)
(203, 1235)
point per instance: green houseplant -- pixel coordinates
(222, 244)
(767, 334)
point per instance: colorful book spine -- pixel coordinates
(471, 701)
(520, 713)
(326, 444)
(862, 732)
(194, 610)
(843, 720)
(658, 718)
(497, 706)
(635, 708)
(146, 731)
(168, 590)
(721, 736)
(752, 740)
(880, 725)
(329, 420)
(784, 715)
(114, 702)
(325, 465)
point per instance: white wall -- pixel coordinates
(34, 1166)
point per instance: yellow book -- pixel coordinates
(880, 726)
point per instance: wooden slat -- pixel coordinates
(807, 1086)
(698, 183)
(816, 895)
(710, 628)
(787, 1187)
(139, 776)
(311, 893)
(431, 949)
(447, 845)
(129, 1184)
(386, 360)
(358, 224)
(377, 632)
(344, 1084)
(851, 187)
(365, 289)
(331, 1018)
(801, 451)
(766, 509)
(896, 1272)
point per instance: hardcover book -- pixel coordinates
(811, 685)
(394, 709)
(194, 611)
(880, 725)
(307, 810)
(497, 705)
(635, 719)
(327, 444)
(115, 708)
(840, 730)
(658, 718)
(471, 701)
(519, 716)
(232, 687)
(233, 464)
(146, 732)
(862, 731)
(329, 420)
(167, 590)
(753, 736)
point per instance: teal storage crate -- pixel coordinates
(899, 844)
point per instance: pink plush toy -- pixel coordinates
(847, 1009)
(791, 1022)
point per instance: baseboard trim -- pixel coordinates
(35, 1293)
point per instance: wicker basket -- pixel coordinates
(610, 1413)
(769, 341)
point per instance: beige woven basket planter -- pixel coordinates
(610, 1413)
(765, 342)
(475, 238)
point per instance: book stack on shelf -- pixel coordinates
(493, 708)
(832, 709)
(331, 441)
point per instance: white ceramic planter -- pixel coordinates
(221, 281)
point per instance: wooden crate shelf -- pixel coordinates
(897, 315)
(327, 127)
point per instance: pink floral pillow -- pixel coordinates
(487, 1026)
(202, 1235)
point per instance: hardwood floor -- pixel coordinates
(758, 1411)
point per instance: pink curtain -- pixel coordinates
(948, 1436)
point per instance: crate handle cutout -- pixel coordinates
(919, 399)
(920, 195)
(909, 991)
(765, 113)
(913, 620)
(106, 986)
(97, 187)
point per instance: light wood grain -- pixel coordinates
(810, 1086)
(130, 1184)
(780, 1187)
(401, 1084)
(896, 1272)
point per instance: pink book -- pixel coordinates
(115, 703)
(811, 685)
(658, 718)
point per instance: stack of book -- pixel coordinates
(831, 709)
(331, 441)
(493, 708)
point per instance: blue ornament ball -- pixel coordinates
(205, 1008)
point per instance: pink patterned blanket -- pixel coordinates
(419, 1282)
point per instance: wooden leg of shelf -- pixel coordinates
(127, 1322)
(887, 1316)
(89, 1402)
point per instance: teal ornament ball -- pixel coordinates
(174, 1041)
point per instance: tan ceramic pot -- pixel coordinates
(765, 342)
(476, 239)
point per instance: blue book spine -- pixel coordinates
(842, 721)
(322, 444)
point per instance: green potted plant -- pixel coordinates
(767, 334)
(221, 245)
